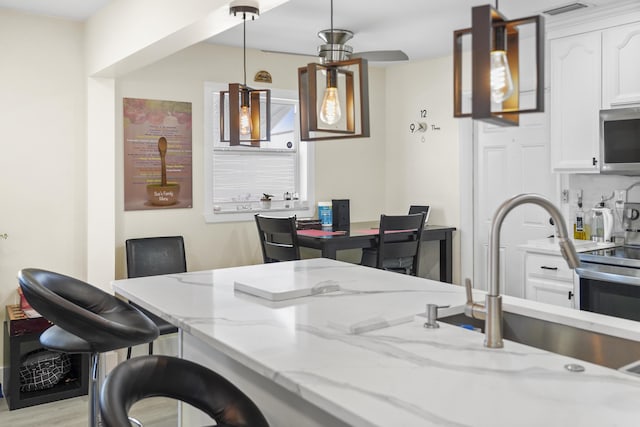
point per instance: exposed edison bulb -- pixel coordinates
(245, 120)
(330, 111)
(501, 82)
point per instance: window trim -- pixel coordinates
(307, 180)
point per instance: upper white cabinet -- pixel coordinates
(575, 102)
(621, 66)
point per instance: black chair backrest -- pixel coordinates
(85, 311)
(151, 376)
(152, 256)
(278, 238)
(414, 209)
(400, 237)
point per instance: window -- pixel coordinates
(236, 177)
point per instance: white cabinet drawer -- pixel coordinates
(548, 266)
(550, 292)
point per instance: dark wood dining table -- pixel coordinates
(363, 235)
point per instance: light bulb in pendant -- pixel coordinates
(245, 120)
(501, 82)
(330, 111)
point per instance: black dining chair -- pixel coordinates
(152, 256)
(414, 209)
(278, 238)
(174, 378)
(398, 244)
(85, 320)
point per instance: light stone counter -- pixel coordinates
(358, 356)
(550, 245)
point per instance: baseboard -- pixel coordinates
(109, 361)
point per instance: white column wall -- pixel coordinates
(101, 171)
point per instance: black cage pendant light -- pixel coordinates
(334, 94)
(245, 113)
(495, 68)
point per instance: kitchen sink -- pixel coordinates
(601, 349)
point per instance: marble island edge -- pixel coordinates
(359, 354)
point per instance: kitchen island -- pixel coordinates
(354, 353)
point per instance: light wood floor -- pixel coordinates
(153, 412)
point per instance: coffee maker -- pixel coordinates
(631, 223)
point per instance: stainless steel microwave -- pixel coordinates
(620, 141)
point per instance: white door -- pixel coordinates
(510, 161)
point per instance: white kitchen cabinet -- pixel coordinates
(621, 66)
(575, 102)
(548, 279)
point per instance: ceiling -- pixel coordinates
(420, 28)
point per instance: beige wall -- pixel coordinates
(43, 155)
(42, 171)
(423, 172)
(351, 169)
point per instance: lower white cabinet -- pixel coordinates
(548, 279)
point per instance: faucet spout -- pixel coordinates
(492, 310)
(566, 245)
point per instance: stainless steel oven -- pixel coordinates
(610, 282)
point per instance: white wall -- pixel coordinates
(42, 175)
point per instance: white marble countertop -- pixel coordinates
(360, 354)
(550, 245)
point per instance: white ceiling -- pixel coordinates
(421, 28)
(77, 10)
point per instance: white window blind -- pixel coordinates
(272, 173)
(236, 177)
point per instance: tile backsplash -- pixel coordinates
(594, 187)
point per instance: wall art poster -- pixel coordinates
(157, 154)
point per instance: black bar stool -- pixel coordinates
(86, 320)
(166, 376)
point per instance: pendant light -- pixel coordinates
(334, 95)
(245, 113)
(495, 66)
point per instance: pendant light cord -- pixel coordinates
(332, 22)
(244, 46)
(332, 40)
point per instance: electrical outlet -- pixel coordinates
(565, 196)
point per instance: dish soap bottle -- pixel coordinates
(579, 227)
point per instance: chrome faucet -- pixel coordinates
(491, 310)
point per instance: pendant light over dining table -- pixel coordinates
(495, 66)
(245, 112)
(334, 94)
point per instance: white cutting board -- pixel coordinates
(287, 280)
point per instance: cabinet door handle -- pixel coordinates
(594, 161)
(570, 295)
(544, 267)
